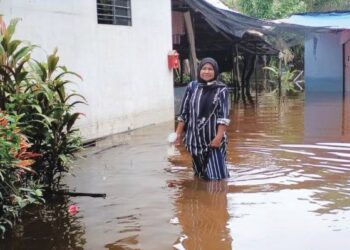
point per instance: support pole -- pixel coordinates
(237, 67)
(256, 77)
(191, 40)
(280, 76)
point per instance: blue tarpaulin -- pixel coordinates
(335, 20)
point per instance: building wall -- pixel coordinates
(125, 77)
(324, 63)
(326, 104)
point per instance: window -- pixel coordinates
(116, 12)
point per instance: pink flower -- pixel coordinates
(72, 209)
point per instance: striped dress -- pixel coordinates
(208, 163)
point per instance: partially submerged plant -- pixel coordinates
(286, 77)
(17, 188)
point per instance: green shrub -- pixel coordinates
(36, 91)
(17, 189)
(287, 77)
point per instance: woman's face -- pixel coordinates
(207, 72)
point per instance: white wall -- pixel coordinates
(124, 68)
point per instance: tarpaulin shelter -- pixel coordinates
(220, 32)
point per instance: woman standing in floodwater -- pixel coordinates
(203, 120)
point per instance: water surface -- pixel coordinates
(289, 188)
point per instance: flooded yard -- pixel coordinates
(289, 162)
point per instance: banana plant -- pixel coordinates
(286, 77)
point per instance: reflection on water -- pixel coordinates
(327, 116)
(48, 227)
(202, 213)
(289, 188)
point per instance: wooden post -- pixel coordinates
(233, 73)
(280, 76)
(237, 68)
(256, 77)
(191, 40)
(265, 73)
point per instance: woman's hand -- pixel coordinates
(216, 142)
(178, 140)
(179, 132)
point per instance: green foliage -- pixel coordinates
(270, 9)
(185, 78)
(286, 8)
(327, 5)
(286, 77)
(37, 92)
(274, 9)
(51, 118)
(226, 77)
(17, 190)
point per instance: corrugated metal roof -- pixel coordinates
(335, 20)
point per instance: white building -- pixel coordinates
(126, 79)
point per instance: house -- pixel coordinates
(327, 71)
(327, 51)
(119, 48)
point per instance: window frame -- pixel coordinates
(113, 18)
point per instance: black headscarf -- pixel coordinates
(206, 104)
(213, 63)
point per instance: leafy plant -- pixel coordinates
(52, 129)
(37, 92)
(286, 77)
(185, 77)
(17, 190)
(13, 57)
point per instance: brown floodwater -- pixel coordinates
(289, 188)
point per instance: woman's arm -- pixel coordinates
(184, 113)
(223, 119)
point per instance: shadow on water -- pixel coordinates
(289, 162)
